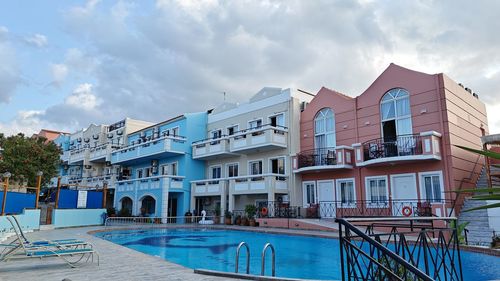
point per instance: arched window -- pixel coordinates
(395, 114)
(324, 129)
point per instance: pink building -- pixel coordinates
(390, 150)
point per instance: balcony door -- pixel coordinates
(404, 192)
(324, 129)
(395, 113)
(277, 120)
(326, 199)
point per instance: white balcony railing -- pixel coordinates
(100, 152)
(77, 155)
(151, 183)
(206, 149)
(209, 187)
(264, 137)
(264, 183)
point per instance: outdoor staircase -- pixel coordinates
(480, 232)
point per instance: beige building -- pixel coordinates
(247, 152)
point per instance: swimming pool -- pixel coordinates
(296, 256)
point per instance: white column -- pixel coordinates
(164, 198)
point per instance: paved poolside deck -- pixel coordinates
(116, 262)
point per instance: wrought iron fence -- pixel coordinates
(277, 209)
(317, 157)
(400, 146)
(382, 208)
(378, 254)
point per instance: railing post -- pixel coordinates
(57, 192)
(341, 240)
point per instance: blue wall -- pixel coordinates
(68, 199)
(29, 220)
(17, 202)
(77, 217)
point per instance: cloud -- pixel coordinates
(82, 98)
(37, 40)
(152, 62)
(10, 76)
(59, 73)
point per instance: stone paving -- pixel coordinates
(116, 262)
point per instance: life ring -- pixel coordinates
(406, 211)
(263, 211)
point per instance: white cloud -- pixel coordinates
(59, 73)
(27, 122)
(37, 40)
(9, 69)
(152, 64)
(82, 98)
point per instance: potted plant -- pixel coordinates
(111, 212)
(217, 214)
(237, 220)
(244, 221)
(228, 215)
(251, 210)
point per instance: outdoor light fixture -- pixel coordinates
(39, 173)
(7, 175)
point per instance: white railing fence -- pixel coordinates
(161, 221)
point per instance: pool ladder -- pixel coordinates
(263, 260)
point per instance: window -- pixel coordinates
(324, 129)
(169, 169)
(277, 120)
(395, 114)
(255, 167)
(278, 167)
(147, 172)
(215, 134)
(432, 187)
(139, 173)
(255, 124)
(232, 170)
(376, 191)
(345, 192)
(216, 172)
(309, 193)
(232, 130)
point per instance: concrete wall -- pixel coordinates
(29, 221)
(77, 217)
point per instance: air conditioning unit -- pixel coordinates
(303, 106)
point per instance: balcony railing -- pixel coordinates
(208, 187)
(380, 208)
(262, 137)
(407, 145)
(258, 184)
(102, 151)
(77, 155)
(151, 183)
(317, 157)
(172, 144)
(211, 147)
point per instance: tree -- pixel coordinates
(490, 193)
(24, 157)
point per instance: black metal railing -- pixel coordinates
(277, 209)
(401, 146)
(317, 157)
(379, 208)
(388, 250)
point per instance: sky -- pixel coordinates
(66, 64)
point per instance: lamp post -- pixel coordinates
(6, 177)
(58, 191)
(38, 184)
(104, 193)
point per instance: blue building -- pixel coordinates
(157, 167)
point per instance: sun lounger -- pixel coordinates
(22, 248)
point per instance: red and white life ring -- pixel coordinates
(263, 211)
(407, 211)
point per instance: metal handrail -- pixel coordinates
(379, 247)
(238, 257)
(457, 195)
(263, 263)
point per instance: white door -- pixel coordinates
(404, 194)
(326, 199)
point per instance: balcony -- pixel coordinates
(258, 184)
(209, 187)
(65, 156)
(161, 147)
(324, 159)
(409, 148)
(98, 181)
(259, 139)
(151, 183)
(100, 153)
(78, 155)
(208, 149)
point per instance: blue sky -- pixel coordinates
(68, 63)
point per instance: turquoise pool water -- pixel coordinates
(296, 256)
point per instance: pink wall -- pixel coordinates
(437, 104)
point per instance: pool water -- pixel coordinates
(296, 256)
